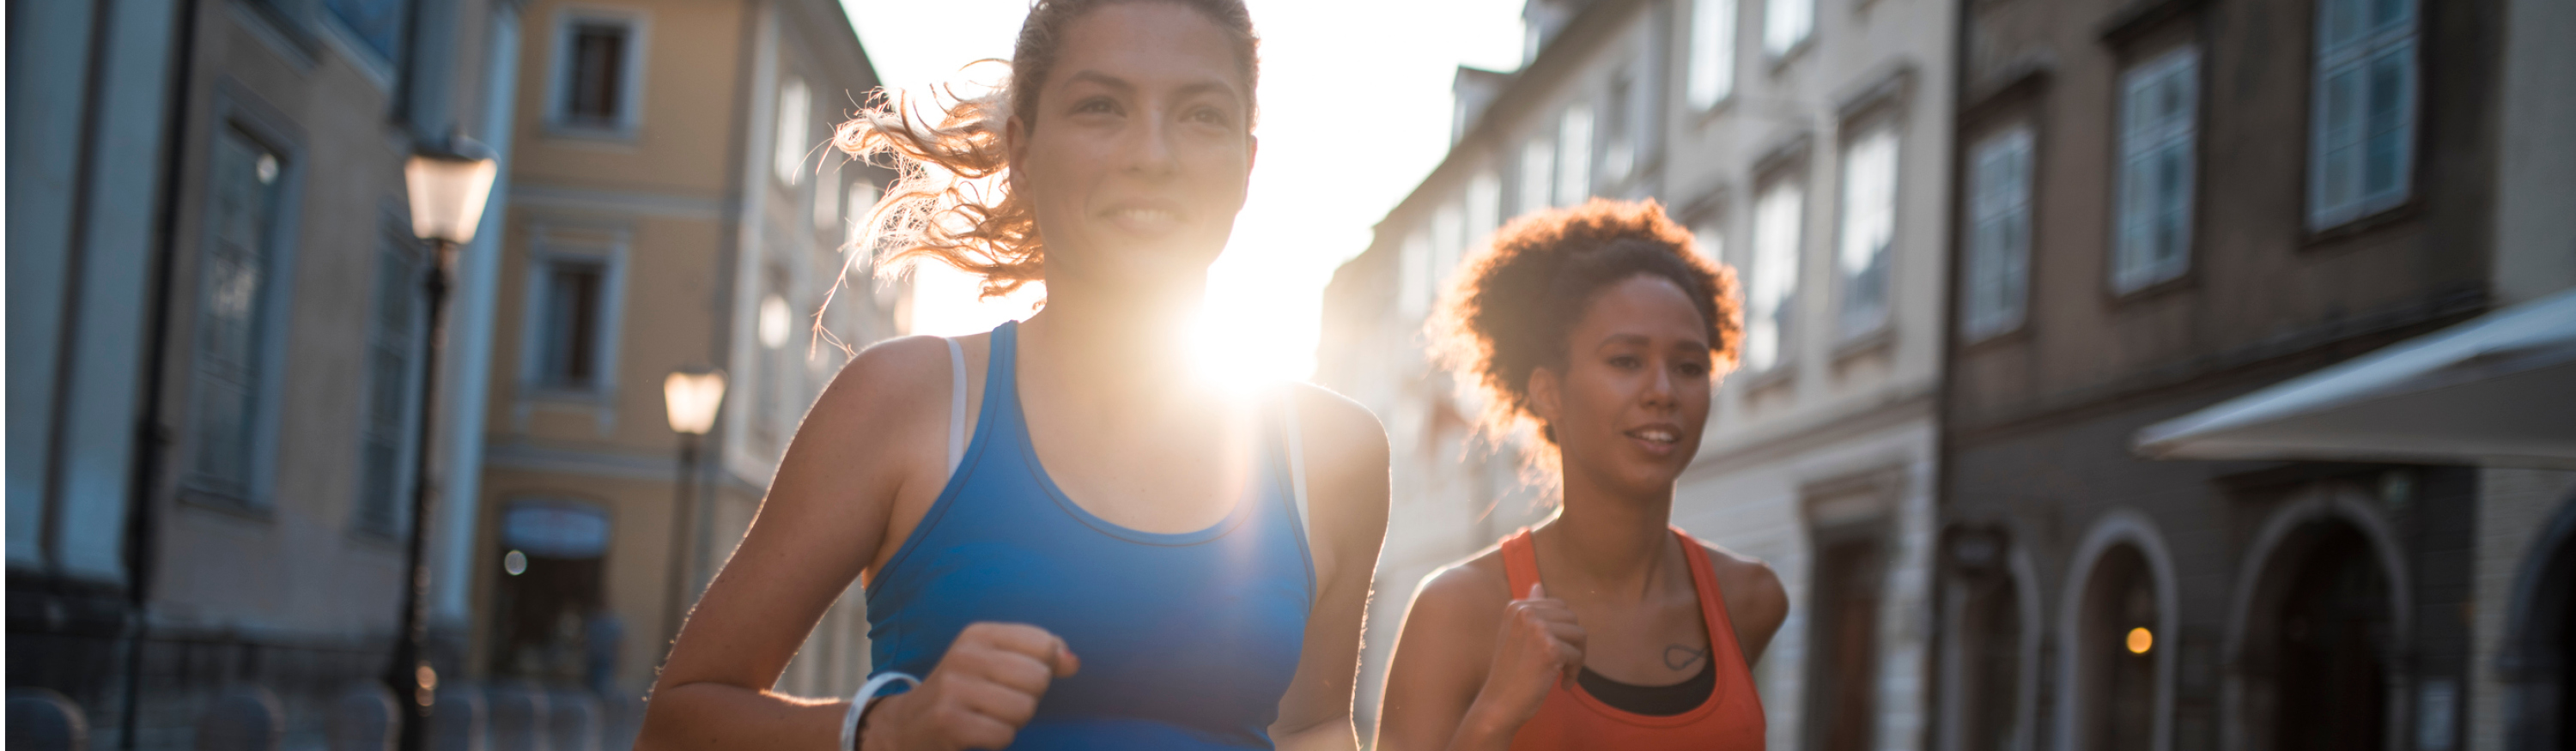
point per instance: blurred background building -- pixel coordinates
(2218, 398)
(219, 327)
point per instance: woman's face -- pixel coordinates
(1633, 394)
(1138, 155)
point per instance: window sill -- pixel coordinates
(2151, 290)
(1701, 117)
(226, 504)
(1996, 339)
(623, 135)
(1878, 339)
(1780, 61)
(2358, 225)
(1779, 375)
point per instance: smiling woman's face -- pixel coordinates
(1137, 158)
(1632, 396)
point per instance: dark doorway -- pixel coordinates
(1841, 696)
(551, 607)
(1990, 655)
(2335, 631)
(2116, 650)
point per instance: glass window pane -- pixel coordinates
(1712, 52)
(1772, 293)
(1869, 225)
(378, 23)
(1574, 156)
(1538, 173)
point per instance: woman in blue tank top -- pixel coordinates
(1069, 539)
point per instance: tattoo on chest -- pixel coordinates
(1680, 657)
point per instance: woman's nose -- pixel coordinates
(1150, 148)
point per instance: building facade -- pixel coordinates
(1806, 144)
(2169, 206)
(672, 207)
(217, 329)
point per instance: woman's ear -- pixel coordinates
(1546, 395)
(1015, 143)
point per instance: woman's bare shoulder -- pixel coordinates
(1752, 589)
(1475, 584)
(1339, 433)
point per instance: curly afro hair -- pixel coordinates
(1515, 302)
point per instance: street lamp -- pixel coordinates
(691, 396)
(448, 184)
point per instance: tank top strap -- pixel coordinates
(1520, 563)
(1712, 600)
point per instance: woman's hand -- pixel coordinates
(985, 688)
(1540, 646)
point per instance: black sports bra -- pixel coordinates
(1653, 701)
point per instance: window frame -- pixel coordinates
(1806, 32)
(1973, 216)
(238, 113)
(2358, 55)
(1784, 356)
(1890, 124)
(631, 70)
(396, 247)
(552, 245)
(2124, 276)
(1720, 71)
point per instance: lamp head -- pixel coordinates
(449, 184)
(692, 396)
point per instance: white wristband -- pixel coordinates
(859, 704)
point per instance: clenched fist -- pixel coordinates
(985, 688)
(1540, 646)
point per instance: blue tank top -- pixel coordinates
(1187, 640)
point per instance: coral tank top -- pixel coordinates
(1730, 719)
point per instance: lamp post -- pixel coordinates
(691, 396)
(448, 184)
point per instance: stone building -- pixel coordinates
(2179, 224)
(217, 326)
(1733, 114)
(672, 206)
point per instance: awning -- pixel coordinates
(2498, 391)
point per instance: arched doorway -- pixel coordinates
(2331, 640)
(2539, 658)
(2115, 654)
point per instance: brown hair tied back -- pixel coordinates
(951, 199)
(1515, 302)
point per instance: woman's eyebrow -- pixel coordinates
(1618, 339)
(1123, 86)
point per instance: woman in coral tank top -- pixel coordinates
(1605, 627)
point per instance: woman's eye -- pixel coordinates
(1209, 115)
(1094, 105)
(1625, 362)
(1694, 370)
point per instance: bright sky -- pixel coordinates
(1355, 110)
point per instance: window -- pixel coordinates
(553, 623)
(1484, 205)
(1413, 273)
(2361, 146)
(1998, 262)
(776, 324)
(230, 372)
(598, 64)
(863, 199)
(795, 109)
(378, 23)
(1786, 24)
(1619, 150)
(1772, 294)
(1538, 173)
(1710, 239)
(1448, 240)
(2159, 109)
(572, 323)
(385, 440)
(1712, 53)
(1869, 225)
(1574, 152)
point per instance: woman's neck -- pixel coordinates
(1120, 346)
(1616, 541)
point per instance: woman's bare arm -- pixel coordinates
(1441, 657)
(1346, 465)
(824, 519)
